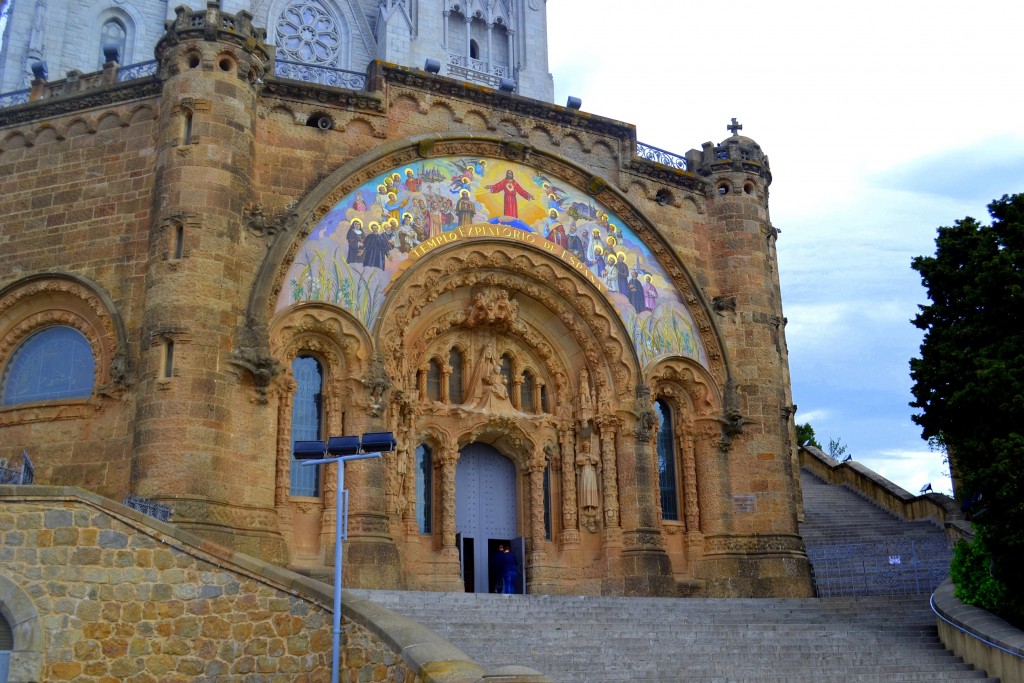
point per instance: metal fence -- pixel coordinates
(10, 474)
(661, 156)
(890, 566)
(148, 507)
(323, 75)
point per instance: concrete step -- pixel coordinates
(614, 640)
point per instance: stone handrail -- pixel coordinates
(978, 637)
(941, 509)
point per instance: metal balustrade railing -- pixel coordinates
(661, 156)
(889, 566)
(323, 75)
(134, 71)
(148, 507)
(26, 474)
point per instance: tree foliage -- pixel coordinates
(805, 435)
(969, 379)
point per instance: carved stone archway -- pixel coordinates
(342, 347)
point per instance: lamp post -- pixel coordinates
(341, 449)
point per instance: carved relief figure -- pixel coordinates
(589, 497)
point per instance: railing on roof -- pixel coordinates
(76, 82)
(26, 474)
(148, 507)
(134, 71)
(323, 75)
(661, 156)
(11, 99)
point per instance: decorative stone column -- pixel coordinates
(445, 461)
(691, 507)
(535, 471)
(646, 567)
(607, 426)
(570, 534)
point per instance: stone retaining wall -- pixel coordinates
(118, 596)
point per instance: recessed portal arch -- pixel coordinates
(485, 512)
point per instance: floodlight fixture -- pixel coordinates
(342, 445)
(379, 442)
(432, 66)
(573, 102)
(111, 52)
(39, 70)
(926, 488)
(507, 85)
(308, 450)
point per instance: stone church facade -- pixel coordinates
(580, 349)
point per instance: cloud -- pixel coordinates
(978, 173)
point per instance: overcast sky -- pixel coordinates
(882, 121)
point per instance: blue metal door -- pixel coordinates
(485, 508)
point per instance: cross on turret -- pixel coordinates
(734, 127)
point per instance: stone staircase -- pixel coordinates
(606, 640)
(857, 548)
(864, 636)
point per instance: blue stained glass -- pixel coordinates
(667, 462)
(53, 364)
(307, 419)
(424, 488)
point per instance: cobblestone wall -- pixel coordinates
(118, 601)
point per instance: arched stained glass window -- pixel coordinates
(526, 389)
(455, 378)
(424, 488)
(307, 421)
(667, 462)
(506, 372)
(53, 364)
(434, 380)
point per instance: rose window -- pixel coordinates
(308, 33)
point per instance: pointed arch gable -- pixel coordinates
(442, 167)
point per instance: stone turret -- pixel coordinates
(190, 449)
(746, 296)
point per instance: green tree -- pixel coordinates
(969, 380)
(805, 435)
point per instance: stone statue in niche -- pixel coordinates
(585, 400)
(491, 394)
(589, 496)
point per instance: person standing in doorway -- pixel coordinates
(509, 571)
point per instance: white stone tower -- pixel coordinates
(480, 41)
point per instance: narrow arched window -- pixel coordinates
(457, 28)
(455, 378)
(434, 380)
(667, 462)
(545, 407)
(478, 39)
(506, 372)
(526, 389)
(424, 487)
(307, 421)
(115, 35)
(499, 46)
(52, 364)
(547, 502)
